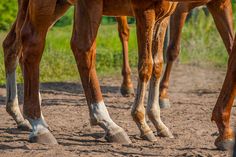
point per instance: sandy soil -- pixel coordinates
(193, 93)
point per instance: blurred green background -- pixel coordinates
(201, 45)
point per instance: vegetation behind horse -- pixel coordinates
(201, 46)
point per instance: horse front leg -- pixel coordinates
(153, 108)
(11, 48)
(145, 22)
(11, 58)
(33, 34)
(88, 15)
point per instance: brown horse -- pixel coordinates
(221, 11)
(11, 59)
(26, 43)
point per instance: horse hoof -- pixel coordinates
(149, 136)
(127, 91)
(164, 103)
(224, 145)
(24, 126)
(45, 138)
(165, 133)
(119, 137)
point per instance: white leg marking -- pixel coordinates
(12, 106)
(100, 116)
(43, 119)
(153, 108)
(38, 127)
(138, 108)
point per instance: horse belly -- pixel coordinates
(117, 8)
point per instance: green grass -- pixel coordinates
(201, 45)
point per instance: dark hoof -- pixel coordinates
(224, 144)
(149, 136)
(45, 138)
(119, 137)
(126, 91)
(164, 103)
(165, 133)
(24, 126)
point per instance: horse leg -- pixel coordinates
(145, 21)
(222, 109)
(153, 108)
(33, 34)
(176, 24)
(11, 61)
(88, 16)
(11, 58)
(123, 28)
(223, 17)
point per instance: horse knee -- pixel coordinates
(157, 68)
(172, 53)
(145, 70)
(32, 46)
(83, 53)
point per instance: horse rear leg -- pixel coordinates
(12, 53)
(123, 28)
(176, 24)
(11, 58)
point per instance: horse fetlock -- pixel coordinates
(100, 116)
(13, 110)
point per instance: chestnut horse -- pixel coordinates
(221, 11)
(152, 19)
(26, 42)
(11, 59)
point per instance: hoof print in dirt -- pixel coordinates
(119, 137)
(164, 103)
(45, 138)
(225, 145)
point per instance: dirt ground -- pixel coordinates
(193, 93)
